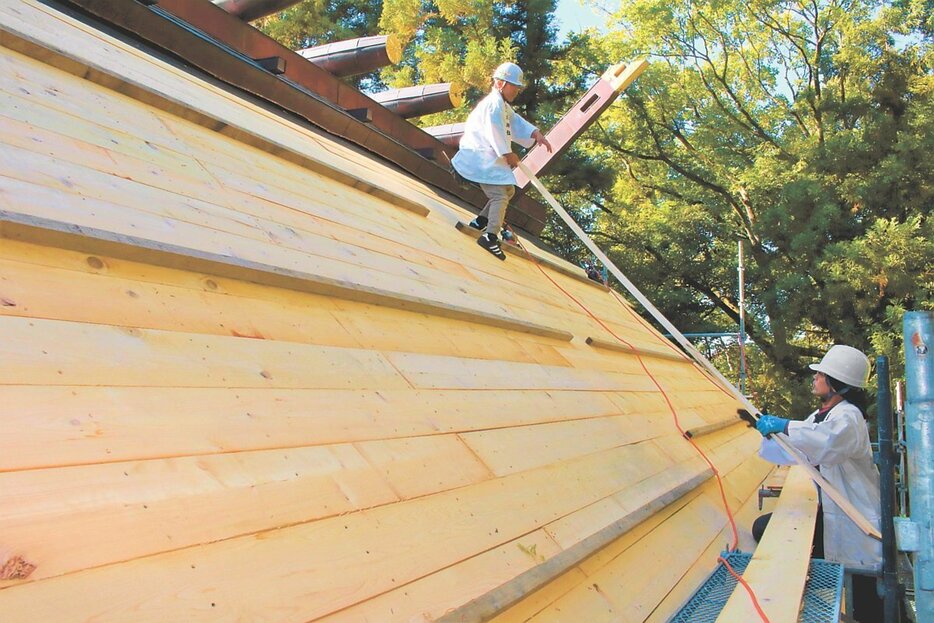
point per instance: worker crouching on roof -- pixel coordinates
(485, 154)
(835, 438)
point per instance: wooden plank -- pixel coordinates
(419, 466)
(429, 598)
(54, 294)
(584, 594)
(62, 285)
(502, 449)
(35, 30)
(122, 199)
(580, 525)
(313, 569)
(70, 425)
(779, 566)
(643, 351)
(48, 352)
(69, 519)
(635, 581)
(221, 262)
(438, 372)
(695, 574)
(509, 593)
(162, 148)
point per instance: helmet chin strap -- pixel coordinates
(833, 392)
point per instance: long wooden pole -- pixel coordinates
(782, 441)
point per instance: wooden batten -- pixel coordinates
(643, 351)
(251, 372)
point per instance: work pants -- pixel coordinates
(498, 197)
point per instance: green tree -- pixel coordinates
(799, 128)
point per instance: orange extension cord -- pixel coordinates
(674, 414)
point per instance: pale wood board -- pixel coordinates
(48, 352)
(779, 566)
(430, 598)
(313, 569)
(73, 425)
(111, 294)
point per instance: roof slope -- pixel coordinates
(250, 373)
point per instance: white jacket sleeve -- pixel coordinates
(522, 130)
(774, 453)
(837, 439)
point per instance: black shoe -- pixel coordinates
(491, 243)
(479, 223)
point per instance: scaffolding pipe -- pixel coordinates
(887, 459)
(918, 531)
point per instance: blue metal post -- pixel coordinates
(887, 458)
(919, 408)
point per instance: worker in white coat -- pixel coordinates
(835, 438)
(485, 153)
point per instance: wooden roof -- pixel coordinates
(248, 372)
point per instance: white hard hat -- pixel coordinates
(511, 73)
(846, 364)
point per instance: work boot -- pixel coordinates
(491, 243)
(479, 223)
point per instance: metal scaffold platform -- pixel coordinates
(820, 604)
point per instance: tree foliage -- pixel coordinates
(798, 128)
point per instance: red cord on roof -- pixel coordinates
(674, 414)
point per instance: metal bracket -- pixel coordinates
(768, 492)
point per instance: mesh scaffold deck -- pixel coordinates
(820, 604)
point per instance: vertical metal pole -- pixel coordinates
(887, 471)
(742, 320)
(919, 413)
(900, 444)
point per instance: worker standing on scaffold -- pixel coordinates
(485, 154)
(835, 438)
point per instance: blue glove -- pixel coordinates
(769, 424)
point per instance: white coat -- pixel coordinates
(490, 130)
(840, 446)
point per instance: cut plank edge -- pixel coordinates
(502, 597)
(47, 232)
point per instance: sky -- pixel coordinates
(577, 15)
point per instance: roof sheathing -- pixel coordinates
(495, 439)
(192, 29)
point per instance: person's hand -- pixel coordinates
(541, 140)
(769, 424)
(512, 160)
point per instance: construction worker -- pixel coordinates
(485, 154)
(835, 438)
